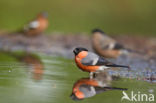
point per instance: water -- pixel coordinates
(23, 83)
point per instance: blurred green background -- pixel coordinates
(113, 16)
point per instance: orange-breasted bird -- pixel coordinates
(91, 62)
(37, 26)
(106, 46)
(86, 87)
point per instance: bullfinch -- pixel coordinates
(106, 46)
(91, 62)
(86, 87)
(37, 26)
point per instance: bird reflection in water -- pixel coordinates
(31, 60)
(89, 87)
(35, 63)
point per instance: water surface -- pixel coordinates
(20, 83)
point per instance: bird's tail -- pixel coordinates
(134, 51)
(115, 65)
(115, 88)
(102, 89)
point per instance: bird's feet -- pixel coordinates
(91, 75)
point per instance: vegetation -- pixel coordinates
(122, 16)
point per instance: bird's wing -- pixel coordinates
(88, 90)
(32, 25)
(113, 46)
(107, 43)
(118, 46)
(90, 59)
(94, 60)
(103, 61)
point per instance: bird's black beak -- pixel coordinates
(78, 50)
(97, 30)
(72, 96)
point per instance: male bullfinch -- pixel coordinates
(106, 46)
(37, 26)
(86, 87)
(91, 62)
